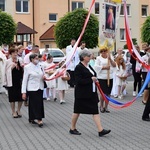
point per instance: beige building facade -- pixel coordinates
(42, 15)
(137, 10)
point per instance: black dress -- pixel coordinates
(86, 101)
(14, 92)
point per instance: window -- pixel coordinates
(128, 10)
(2, 5)
(144, 10)
(96, 8)
(53, 17)
(122, 35)
(22, 6)
(26, 37)
(77, 5)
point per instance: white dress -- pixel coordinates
(62, 85)
(51, 83)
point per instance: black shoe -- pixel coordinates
(75, 131)
(107, 111)
(19, 116)
(102, 110)
(32, 122)
(146, 119)
(144, 102)
(55, 99)
(104, 132)
(40, 125)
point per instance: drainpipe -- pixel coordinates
(33, 20)
(68, 5)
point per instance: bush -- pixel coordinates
(70, 26)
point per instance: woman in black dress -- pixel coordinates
(13, 79)
(86, 98)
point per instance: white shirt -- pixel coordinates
(75, 59)
(145, 59)
(26, 58)
(99, 63)
(33, 78)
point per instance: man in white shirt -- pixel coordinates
(35, 49)
(82, 47)
(72, 63)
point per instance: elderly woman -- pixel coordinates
(86, 98)
(34, 85)
(104, 68)
(12, 80)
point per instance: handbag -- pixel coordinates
(45, 85)
(66, 77)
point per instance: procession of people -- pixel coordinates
(23, 75)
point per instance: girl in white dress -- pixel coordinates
(62, 84)
(51, 85)
(121, 75)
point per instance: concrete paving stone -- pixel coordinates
(128, 129)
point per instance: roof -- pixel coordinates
(49, 34)
(23, 29)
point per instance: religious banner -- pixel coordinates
(109, 16)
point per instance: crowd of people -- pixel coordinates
(24, 73)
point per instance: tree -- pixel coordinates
(7, 28)
(145, 31)
(70, 26)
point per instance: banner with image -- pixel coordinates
(108, 23)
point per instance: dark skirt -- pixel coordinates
(14, 94)
(36, 106)
(87, 105)
(104, 86)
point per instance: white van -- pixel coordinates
(58, 55)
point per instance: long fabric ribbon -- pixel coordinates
(130, 44)
(117, 104)
(67, 62)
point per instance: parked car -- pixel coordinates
(58, 55)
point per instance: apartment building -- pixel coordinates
(42, 15)
(39, 15)
(137, 11)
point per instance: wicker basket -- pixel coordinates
(65, 78)
(123, 78)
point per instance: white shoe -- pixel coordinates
(115, 96)
(48, 99)
(134, 93)
(61, 101)
(120, 96)
(64, 101)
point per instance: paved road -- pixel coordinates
(129, 132)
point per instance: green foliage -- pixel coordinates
(145, 31)
(7, 28)
(134, 40)
(70, 26)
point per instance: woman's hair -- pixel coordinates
(49, 56)
(61, 63)
(20, 46)
(12, 50)
(32, 56)
(83, 54)
(103, 49)
(40, 56)
(117, 60)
